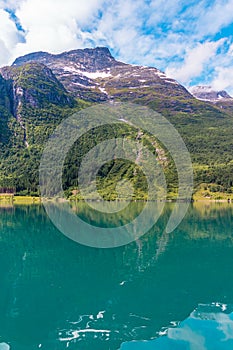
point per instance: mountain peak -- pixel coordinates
(207, 93)
(87, 54)
(31, 57)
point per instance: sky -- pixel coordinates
(190, 40)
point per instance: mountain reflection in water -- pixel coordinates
(56, 293)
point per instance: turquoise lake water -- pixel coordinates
(162, 292)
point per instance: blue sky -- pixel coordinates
(192, 41)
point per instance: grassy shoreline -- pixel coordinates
(4, 199)
(27, 200)
(206, 195)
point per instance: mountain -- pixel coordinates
(40, 89)
(220, 99)
(94, 75)
(207, 93)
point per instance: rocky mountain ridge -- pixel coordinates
(94, 75)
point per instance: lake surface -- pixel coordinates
(164, 291)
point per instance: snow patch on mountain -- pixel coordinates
(90, 75)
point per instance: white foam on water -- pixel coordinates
(100, 315)
(224, 307)
(81, 332)
(161, 333)
(4, 346)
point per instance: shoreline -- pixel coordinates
(30, 200)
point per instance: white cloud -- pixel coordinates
(10, 4)
(175, 36)
(129, 28)
(123, 26)
(213, 18)
(195, 61)
(54, 27)
(168, 11)
(9, 37)
(223, 79)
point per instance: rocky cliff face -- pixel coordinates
(35, 85)
(27, 88)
